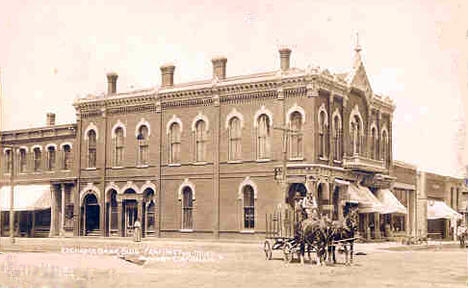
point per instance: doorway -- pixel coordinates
(131, 215)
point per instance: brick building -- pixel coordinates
(208, 158)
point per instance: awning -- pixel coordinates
(341, 182)
(26, 197)
(390, 202)
(439, 210)
(367, 202)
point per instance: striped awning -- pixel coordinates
(26, 197)
(366, 200)
(390, 202)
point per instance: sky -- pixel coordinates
(416, 52)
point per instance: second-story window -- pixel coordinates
(200, 141)
(67, 156)
(142, 139)
(174, 139)
(51, 158)
(91, 149)
(323, 135)
(119, 147)
(22, 160)
(337, 137)
(263, 137)
(356, 135)
(37, 159)
(374, 144)
(8, 161)
(235, 134)
(384, 147)
(296, 135)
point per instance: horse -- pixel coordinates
(311, 233)
(342, 233)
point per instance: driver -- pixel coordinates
(309, 204)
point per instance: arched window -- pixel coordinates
(323, 135)
(296, 135)
(356, 135)
(91, 149)
(118, 147)
(337, 137)
(174, 138)
(249, 207)
(187, 206)
(234, 139)
(384, 147)
(22, 160)
(67, 157)
(142, 139)
(37, 159)
(8, 160)
(51, 158)
(200, 141)
(374, 144)
(263, 137)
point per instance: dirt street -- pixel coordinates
(195, 264)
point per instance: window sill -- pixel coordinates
(263, 160)
(337, 161)
(90, 169)
(199, 163)
(142, 166)
(174, 165)
(186, 230)
(296, 159)
(65, 170)
(323, 158)
(247, 231)
(234, 161)
(117, 167)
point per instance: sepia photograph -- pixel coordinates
(258, 143)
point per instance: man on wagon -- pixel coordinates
(310, 206)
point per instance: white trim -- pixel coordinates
(199, 117)
(173, 120)
(322, 109)
(148, 184)
(141, 123)
(260, 112)
(112, 186)
(21, 148)
(119, 124)
(66, 143)
(90, 188)
(130, 185)
(295, 108)
(51, 145)
(232, 114)
(91, 126)
(186, 183)
(335, 114)
(355, 112)
(247, 182)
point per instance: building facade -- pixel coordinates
(211, 158)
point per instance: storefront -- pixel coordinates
(32, 206)
(440, 219)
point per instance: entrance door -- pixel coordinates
(131, 215)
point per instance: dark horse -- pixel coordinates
(342, 234)
(311, 235)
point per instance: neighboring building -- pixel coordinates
(205, 159)
(44, 177)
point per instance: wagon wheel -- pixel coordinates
(267, 250)
(288, 252)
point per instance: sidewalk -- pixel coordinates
(56, 244)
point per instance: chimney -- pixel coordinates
(219, 67)
(167, 75)
(285, 55)
(112, 83)
(50, 119)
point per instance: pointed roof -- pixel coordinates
(358, 76)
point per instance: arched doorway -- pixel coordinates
(90, 214)
(112, 213)
(149, 213)
(130, 206)
(293, 189)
